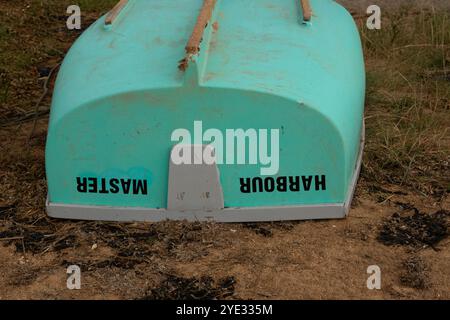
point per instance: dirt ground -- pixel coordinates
(399, 224)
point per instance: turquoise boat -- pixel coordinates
(287, 76)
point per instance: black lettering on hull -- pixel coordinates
(283, 184)
(112, 186)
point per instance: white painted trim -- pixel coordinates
(244, 214)
(354, 183)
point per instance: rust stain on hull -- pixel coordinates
(193, 45)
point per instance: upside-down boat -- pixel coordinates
(148, 68)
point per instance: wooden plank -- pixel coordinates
(193, 45)
(114, 13)
(307, 11)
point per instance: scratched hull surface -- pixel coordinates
(120, 94)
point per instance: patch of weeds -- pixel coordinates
(406, 108)
(171, 234)
(415, 230)
(185, 238)
(5, 84)
(120, 262)
(415, 273)
(23, 277)
(204, 288)
(266, 229)
(134, 244)
(25, 240)
(65, 243)
(36, 236)
(260, 228)
(382, 194)
(7, 209)
(404, 103)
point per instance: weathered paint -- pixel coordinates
(120, 94)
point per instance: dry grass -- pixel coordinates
(408, 101)
(33, 36)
